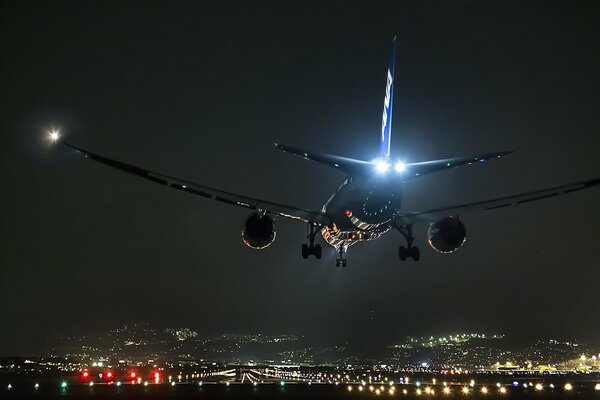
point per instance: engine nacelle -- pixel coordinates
(258, 231)
(447, 234)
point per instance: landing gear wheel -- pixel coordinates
(340, 261)
(409, 251)
(415, 253)
(311, 249)
(305, 251)
(402, 253)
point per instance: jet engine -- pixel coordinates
(258, 231)
(447, 234)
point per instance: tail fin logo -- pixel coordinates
(386, 105)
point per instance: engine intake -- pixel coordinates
(447, 234)
(258, 231)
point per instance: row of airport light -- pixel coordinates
(466, 389)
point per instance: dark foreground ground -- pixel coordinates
(289, 391)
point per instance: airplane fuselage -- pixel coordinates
(361, 209)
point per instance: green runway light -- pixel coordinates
(282, 383)
(63, 385)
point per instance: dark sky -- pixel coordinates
(200, 90)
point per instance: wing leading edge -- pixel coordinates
(434, 214)
(295, 213)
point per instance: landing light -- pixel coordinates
(381, 166)
(54, 136)
(400, 166)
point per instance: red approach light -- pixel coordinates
(109, 375)
(348, 212)
(85, 374)
(156, 377)
(132, 374)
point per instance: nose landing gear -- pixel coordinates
(312, 249)
(409, 251)
(341, 261)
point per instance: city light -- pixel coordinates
(503, 390)
(484, 390)
(446, 390)
(349, 388)
(465, 390)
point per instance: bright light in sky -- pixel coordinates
(54, 136)
(400, 166)
(381, 165)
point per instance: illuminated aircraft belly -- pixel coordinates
(346, 238)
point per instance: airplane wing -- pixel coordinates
(435, 214)
(299, 214)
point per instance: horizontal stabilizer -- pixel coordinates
(356, 167)
(427, 167)
(351, 166)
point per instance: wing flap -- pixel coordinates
(494, 204)
(222, 196)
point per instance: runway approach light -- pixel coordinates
(381, 166)
(54, 136)
(400, 167)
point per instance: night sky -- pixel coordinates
(201, 90)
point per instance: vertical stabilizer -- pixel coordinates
(386, 123)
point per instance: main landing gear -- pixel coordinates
(341, 261)
(409, 251)
(312, 249)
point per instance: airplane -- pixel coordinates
(365, 206)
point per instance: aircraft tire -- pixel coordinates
(304, 251)
(402, 253)
(318, 251)
(415, 253)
